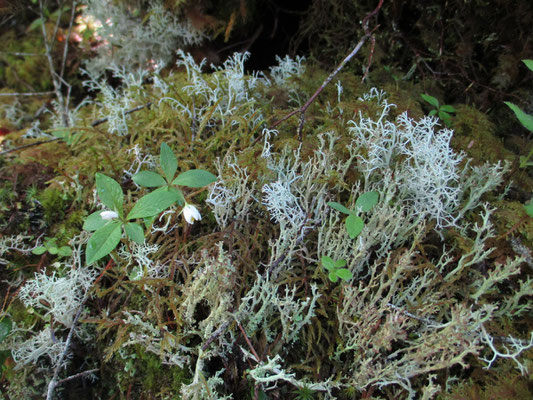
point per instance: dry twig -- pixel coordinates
(368, 35)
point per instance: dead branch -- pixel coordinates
(368, 34)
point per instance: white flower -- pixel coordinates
(107, 215)
(191, 213)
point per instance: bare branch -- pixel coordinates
(27, 94)
(79, 375)
(16, 53)
(54, 382)
(356, 49)
(65, 49)
(93, 124)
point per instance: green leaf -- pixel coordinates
(524, 162)
(430, 99)
(179, 193)
(64, 251)
(525, 119)
(169, 162)
(62, 134)
(136, 273)
(328, 263)
(447, 108)
(445, 117)
(53, 250)
(94, 221)
(340, 263)
(153, 203)
(432, 113)
(4, 355)
(194, 178)
(39, 250)
(366, 201)
(110, 192)
(149, 179)
(103, 241)
(135, 232)
(35, 24)
(333, 277)
(529, 208)
(344, 274)
(339, 207)
(354, 226)
(262, 395)
(148, 221)
(529, 64)
(5, 328)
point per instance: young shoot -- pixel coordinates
(354, 223)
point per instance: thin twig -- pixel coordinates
(372, 39)
(216, 334)
(249, 343)
(17, 53)
(93, 124)
(79, 375)
(28, 94)
(25, 146)
(54, 382)
(67, 39)
(356, 49)
(101, 121)
(57, 80)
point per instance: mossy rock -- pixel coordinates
(475, 135)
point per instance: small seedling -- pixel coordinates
(443, 111)
(354, 223)
(335, 269)
(304, 393)
(51, 247)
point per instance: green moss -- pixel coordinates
(475, 134)
(19, 72)
(143, 372)
(20, 315)
(498, 384)
(53, 204)
(511, 219)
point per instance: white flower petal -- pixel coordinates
(191, 213)
(107, 215)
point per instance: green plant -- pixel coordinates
(335, 269)
(67, 135)
(528, 207)
(443, 111)
(51, 246)
(5, 328)
(354, 223)
(525, 119)
(194, 178)
(108, 224)
(304, 393)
